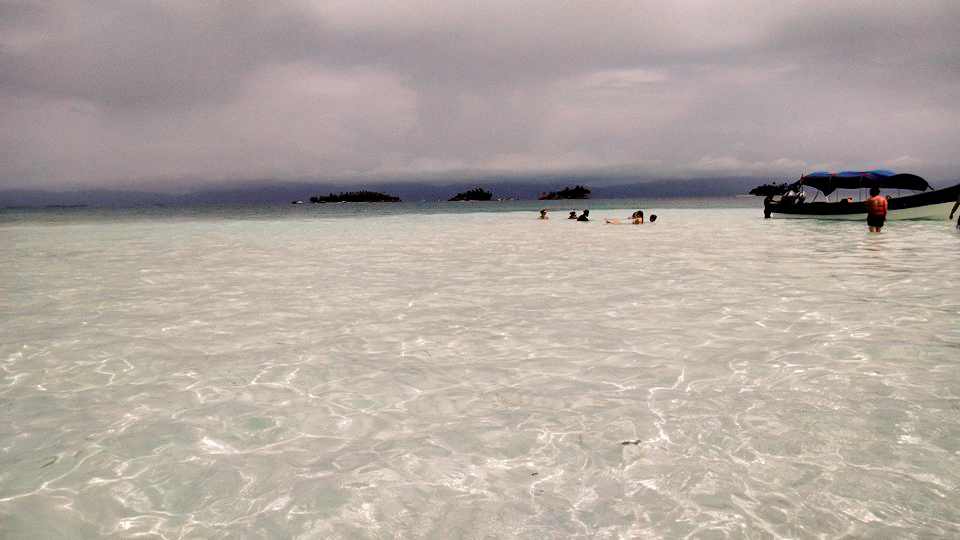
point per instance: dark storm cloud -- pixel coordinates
(168, 91)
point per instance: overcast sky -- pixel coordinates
(164, 94)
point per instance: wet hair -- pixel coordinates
(653, 217)
(874, 191)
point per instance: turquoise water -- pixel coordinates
(466, 371)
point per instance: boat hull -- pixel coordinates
(929, 205)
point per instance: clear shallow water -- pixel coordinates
(435, 372)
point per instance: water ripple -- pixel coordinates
(479, 375)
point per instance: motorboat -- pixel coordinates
(919, 202)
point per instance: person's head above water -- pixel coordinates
(653, 217)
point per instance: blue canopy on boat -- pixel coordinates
(828, 182)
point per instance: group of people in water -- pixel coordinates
(635, 219)
(877, 207)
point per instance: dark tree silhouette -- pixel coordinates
(478, 194)
(355, 196)
(576, 192)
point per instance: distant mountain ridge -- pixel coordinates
(272, 192)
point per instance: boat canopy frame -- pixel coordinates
(827, 182)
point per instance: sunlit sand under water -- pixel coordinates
(309, 373)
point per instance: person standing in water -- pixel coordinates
(876, 210)
(955, 206)
(543, 214)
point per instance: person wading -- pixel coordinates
(876, 210)
(955, 206)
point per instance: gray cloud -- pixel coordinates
(167, 92)
(154, 54)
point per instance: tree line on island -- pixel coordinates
(577, 192)
(476, 194)
(355, 196)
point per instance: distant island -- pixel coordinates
(478, 194)
(355, 196)
(513, 188)
(577, 192)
